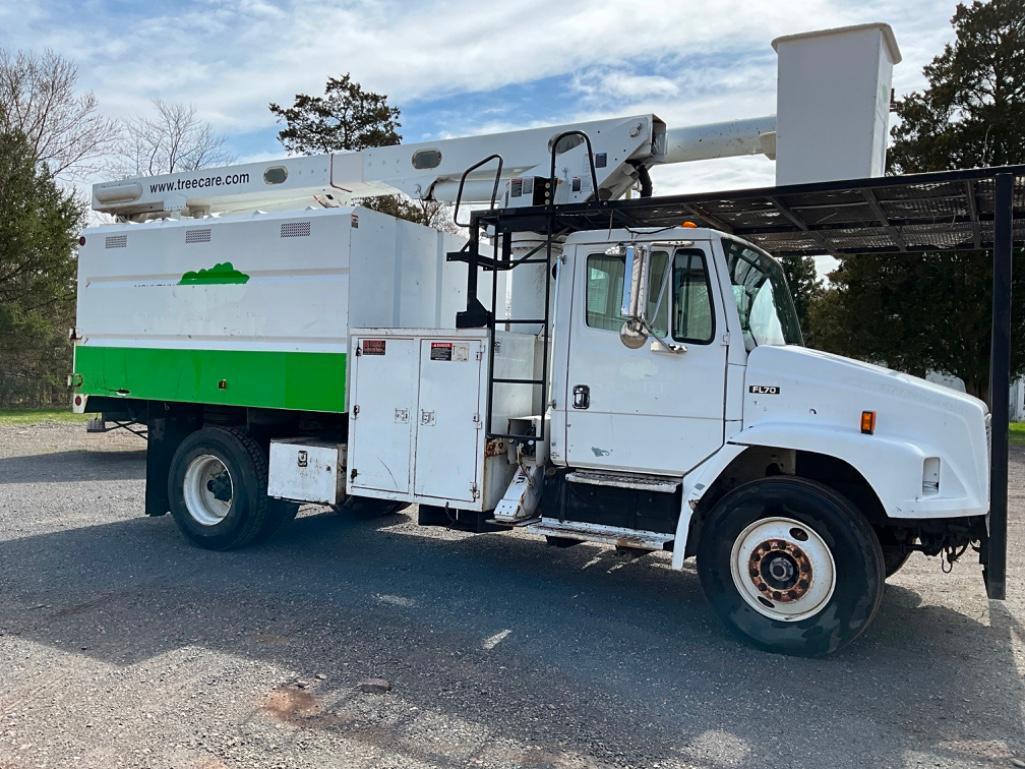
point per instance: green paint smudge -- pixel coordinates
(220, 274)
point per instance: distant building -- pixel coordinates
(1018, 400)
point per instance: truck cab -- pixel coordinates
(662, 392)
(685, 405)
(713, 357)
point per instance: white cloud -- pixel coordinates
(603, 83)
(687, 61)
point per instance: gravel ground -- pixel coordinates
(121, 646)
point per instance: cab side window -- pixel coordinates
(605, 292)
(693, 314)
(683, 296)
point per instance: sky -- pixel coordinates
(457, 67)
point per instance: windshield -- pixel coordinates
(767, 315)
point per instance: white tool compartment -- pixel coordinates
(418, 405)
(307, 470)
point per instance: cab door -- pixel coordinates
(649, 409)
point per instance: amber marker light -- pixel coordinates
(868, 422)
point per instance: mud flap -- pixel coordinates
(165, 434)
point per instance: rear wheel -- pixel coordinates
(791, 566)
(217, 487)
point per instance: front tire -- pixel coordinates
(896, 549)
(791, 566)
(217, 487)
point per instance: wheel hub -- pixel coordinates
(220, 487)
(783, 569)
(208, 490)
(780, 570)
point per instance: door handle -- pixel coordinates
(581, 396)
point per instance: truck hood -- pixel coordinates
(801, 391)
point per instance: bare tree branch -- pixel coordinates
(173, 139)
(39, 99)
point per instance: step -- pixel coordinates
(596, 532)
(656, 483)
(514, 524)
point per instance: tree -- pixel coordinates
(973, 112)
(346, 117)
(931, 312)
(172, 140)
(805, 285)
(349, 118)
(62, 128)
(428, 212)
(38, 223)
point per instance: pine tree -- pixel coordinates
(38, 224)
(805, 285)
(346, 117)
(350, 118)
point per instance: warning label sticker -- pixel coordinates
(441, 351)
(449, 351)
(373, 347)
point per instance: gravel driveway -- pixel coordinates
(120, 645)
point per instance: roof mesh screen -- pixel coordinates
(923, 212)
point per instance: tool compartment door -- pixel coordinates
(382, 414)
(449, 419)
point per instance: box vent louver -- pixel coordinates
(197, 236)
(116, 241)
(295, 230)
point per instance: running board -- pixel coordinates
(514, 524)
(596, 532)
(655, 483)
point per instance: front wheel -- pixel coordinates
(791, 566)
(896, 549)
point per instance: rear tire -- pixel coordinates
(791, 566)
(217, 487)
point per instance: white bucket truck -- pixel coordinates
(644, 388)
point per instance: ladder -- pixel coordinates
(478, 316)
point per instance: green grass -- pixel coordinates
(1018, 433)
(39, 416)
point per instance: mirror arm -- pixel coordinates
(665, 343)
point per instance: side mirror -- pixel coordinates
(635, 293)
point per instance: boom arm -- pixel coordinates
(432, 170)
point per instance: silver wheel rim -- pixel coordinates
(208, 489)
(783, 569)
